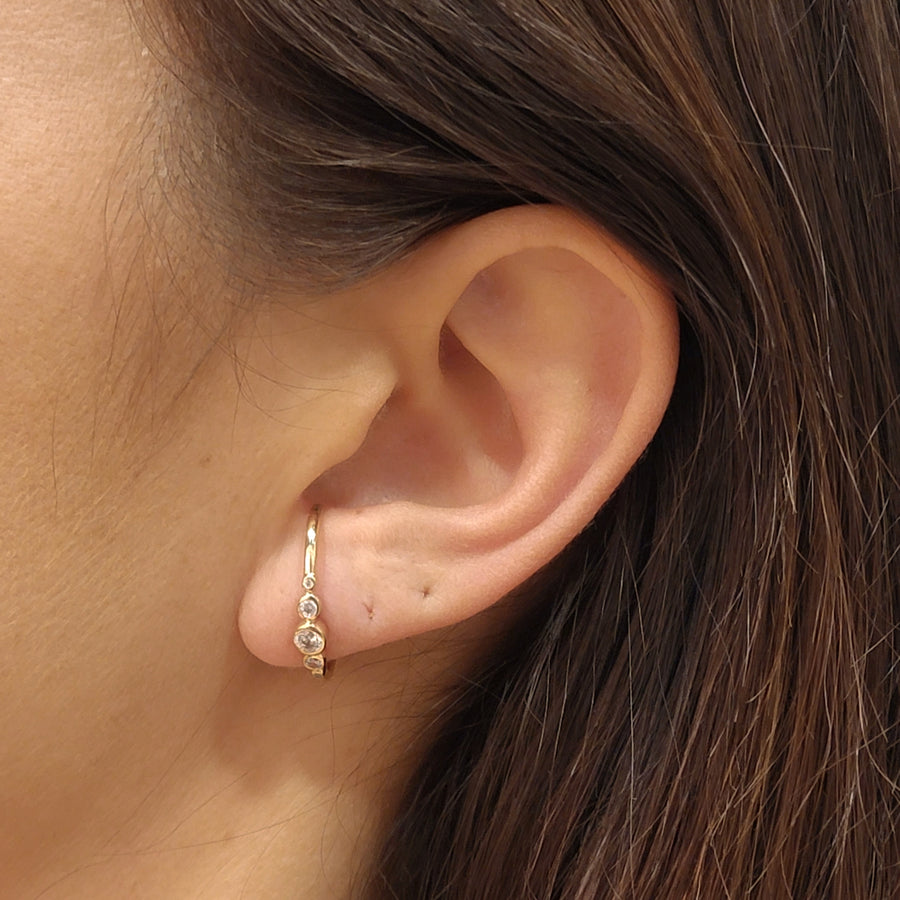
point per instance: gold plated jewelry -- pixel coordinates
(309, 638)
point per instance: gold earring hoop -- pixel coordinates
(309, 638)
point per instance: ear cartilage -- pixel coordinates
(309, 638)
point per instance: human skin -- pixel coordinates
(160, 431)
(127, 525)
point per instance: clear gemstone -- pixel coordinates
(309, 582)
(309, 639)
(308, 607)
(314, 663)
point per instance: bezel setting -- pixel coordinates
(308, 607)
(309, 639)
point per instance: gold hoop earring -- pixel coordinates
(309, 638)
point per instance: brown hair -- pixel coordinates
(704, 700)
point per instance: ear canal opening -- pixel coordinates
(450, 350)
(451, 443)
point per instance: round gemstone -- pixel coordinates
(314, 663)
(309, 582)
(309, 639)
(308, 607)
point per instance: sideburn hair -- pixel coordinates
(701, 699)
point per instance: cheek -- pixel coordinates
(139, 477)
(72, 93)
(111, 575)
(72, 104)
(95, 348)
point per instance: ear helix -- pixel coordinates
(309, 638)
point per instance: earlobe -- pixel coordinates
(535, 359)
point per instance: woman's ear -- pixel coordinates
(533, 358)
